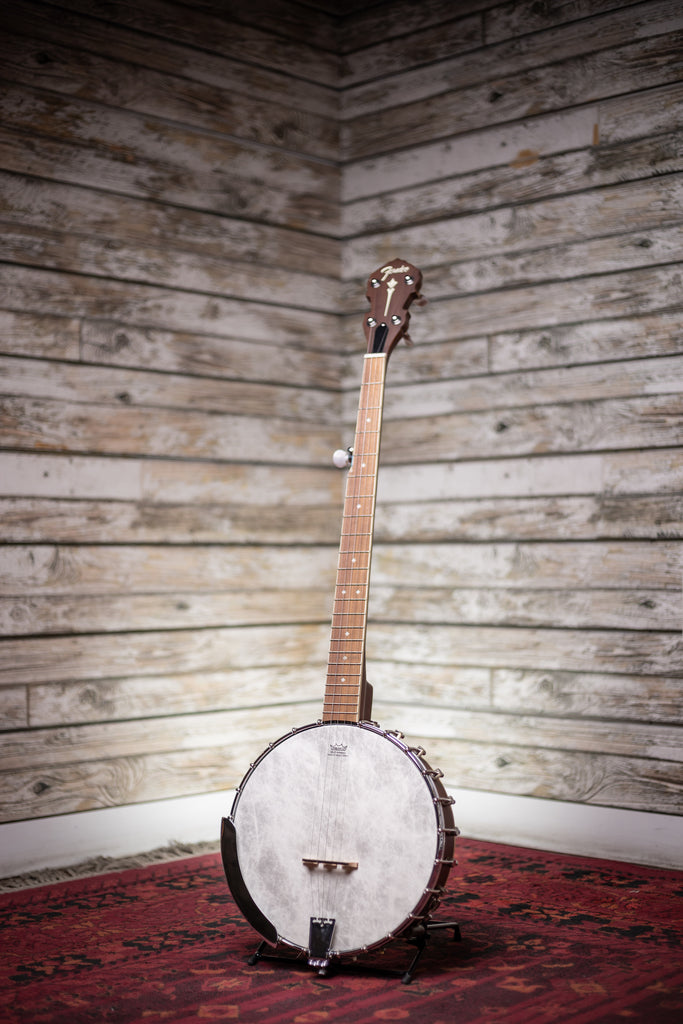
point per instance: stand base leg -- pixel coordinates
(419, 938)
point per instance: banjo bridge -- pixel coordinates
(312, 863)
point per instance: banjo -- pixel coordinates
(341, 836)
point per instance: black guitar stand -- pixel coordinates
(418, 937)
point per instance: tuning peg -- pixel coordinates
(342, 457)
(420, 300)
(409, 341)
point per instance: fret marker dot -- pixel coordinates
(357, 506)
(358, 591)
(343, 679)
(353, 559)
(347, 634)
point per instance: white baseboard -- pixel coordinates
(635, 836)
(583, 829)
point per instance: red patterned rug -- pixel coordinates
(545, 937)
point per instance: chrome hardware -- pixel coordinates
(375, 283)
(343, 457)
(371, 321)
(395, 320)
(408, 279)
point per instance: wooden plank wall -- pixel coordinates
(171, 392)
(526, 608)
(188, 199)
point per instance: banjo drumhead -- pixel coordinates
(339, 821)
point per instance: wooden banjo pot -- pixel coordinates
(341, 836)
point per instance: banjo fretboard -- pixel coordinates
(345, 685)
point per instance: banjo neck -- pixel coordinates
(348, 698)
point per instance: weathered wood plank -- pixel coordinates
(596, 517)
(584, 608)
(94, 35)
(506, 145)
(114, 343)
(102, 656)
(603, 341)
(632, 250)
(601, 780)
(25, 289)
(94, 700)
(223, 35)
(587, 608)
(380, 21)
(509, 57)
(281, 17)
(629, 739)
(107, 700)
(13, 707)
(103, 79)
(548, 224)
(586, 78)
(93, 212)
(36, 616)
(647, 698)
(379, 57)
(49, 569)
(111, 783)
(609, 651)
(142, 156)
(140, 569)
(517, 17)
(105, 386)
(168, 482)
(607, 780)
(543, 565)
(81, 428)
(66, 521)
(518, 182)
(611, 473)
(580, 426)
(561, 345)
(591, 778)
(48, 337)
(42, 248)
(440, 361)
(46, 748)
(108, 342)
(521, 145)
(534, 387)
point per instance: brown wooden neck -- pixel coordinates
(345, 689)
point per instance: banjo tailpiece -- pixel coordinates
(320, 941)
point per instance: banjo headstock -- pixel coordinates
(390, 291)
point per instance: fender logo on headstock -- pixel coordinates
(390, 269)
(390, 291)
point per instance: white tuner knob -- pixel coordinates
(342, 458)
